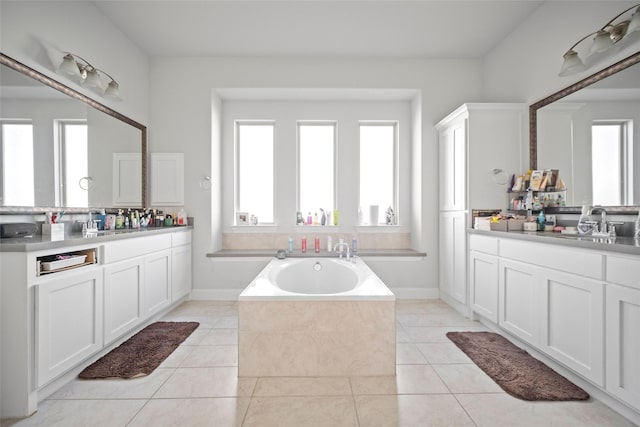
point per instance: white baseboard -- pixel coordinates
(215, 294)
(232, 294)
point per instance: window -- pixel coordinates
(73, 163)
(255, 169)
(316, 168)
(611, 156)
(378, 172)
(17, 164)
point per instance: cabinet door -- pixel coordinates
(127, 170)
(167, 179)
(68, 321)
(453, 255)
(483, 283)
(180, 272)
(572, 329)
(453, 163)
(123, 296)
(623, 345)
(518, 296)
(157, 289)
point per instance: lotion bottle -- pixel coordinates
(304, 245)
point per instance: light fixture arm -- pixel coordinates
(608, 24)
(604, 39)
(581, 40)
(90, 75)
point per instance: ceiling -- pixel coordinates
(308, 28)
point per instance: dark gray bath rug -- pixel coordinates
(515, 370)
(142, 353)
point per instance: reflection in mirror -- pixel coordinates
(590, 131)
(62, 149)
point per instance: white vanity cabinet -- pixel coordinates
(180, 265)
(549, 296)
(483, 276)
(68, 321)
(137, 282)
(54, 322)
(157, 281)
(123, 294)
(623, 328)
(519, 303)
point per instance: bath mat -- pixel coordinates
(142, 353)
(514, 370)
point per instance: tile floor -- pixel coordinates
(435, 385)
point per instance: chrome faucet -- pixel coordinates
(340, 245)
(603, 218)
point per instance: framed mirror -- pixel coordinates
(63, 150)
(590, 132)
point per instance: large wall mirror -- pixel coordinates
(64, 150)
(590, 131)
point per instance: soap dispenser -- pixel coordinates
(585, 225)
(636, 229)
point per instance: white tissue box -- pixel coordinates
(55, 231)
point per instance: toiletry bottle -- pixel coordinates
(541, 221)
(315, 219)
(309, 219)
(323, 218)
(304, 245)
(316, 245)
(335, 217)
(119, 219)
(290, 245)
(354, 245)
(102, 225)
(329, 244)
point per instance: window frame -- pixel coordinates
(16, 121)
(625, 145)
(60, 150)
(236, 168)
(396, 166)
(334, 124)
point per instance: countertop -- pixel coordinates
(41, 242)
(230, 253)
(627, 245)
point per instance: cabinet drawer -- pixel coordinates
(131, 248)
(180, 238)
(486, 244)
(623, 270)
(571, 260)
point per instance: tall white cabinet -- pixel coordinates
(473, 141)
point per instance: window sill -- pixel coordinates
(380, 228)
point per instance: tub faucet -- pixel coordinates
(341, 245)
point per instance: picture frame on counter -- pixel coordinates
(242, 218)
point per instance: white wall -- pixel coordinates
(525, 66)
(182, 115)
(26, 27)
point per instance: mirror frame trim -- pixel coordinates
(48, 81)
(533, 108)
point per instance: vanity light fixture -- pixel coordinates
(90, 76)
(605, 38)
